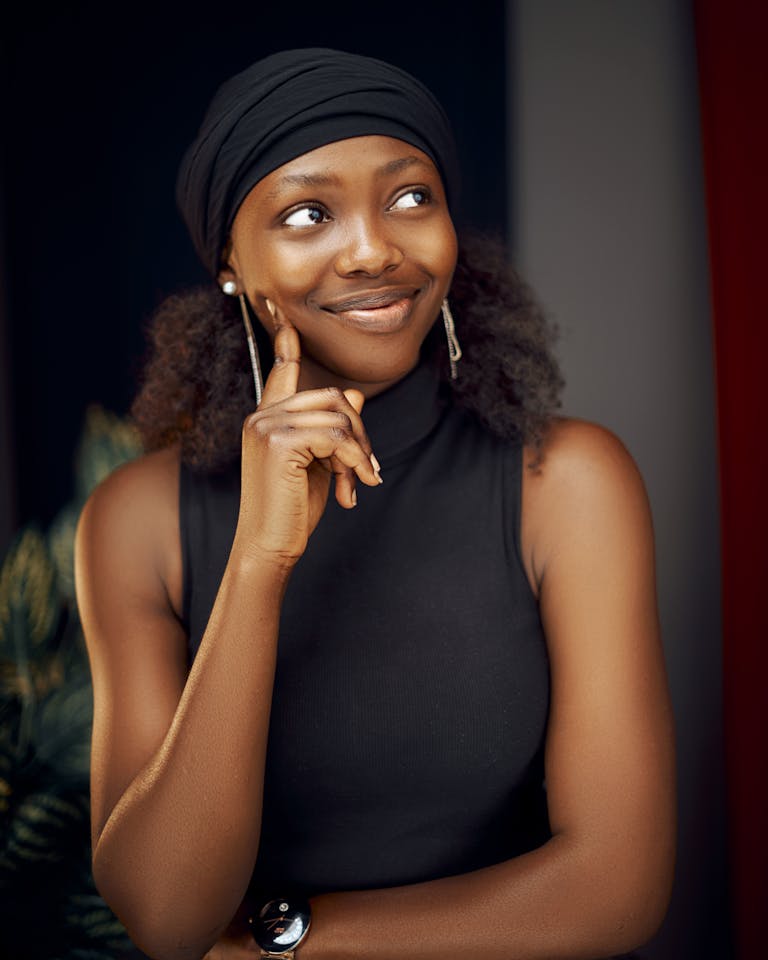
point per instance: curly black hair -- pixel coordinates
(196, 387)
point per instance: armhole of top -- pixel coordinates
(515, 465)
(185, 481)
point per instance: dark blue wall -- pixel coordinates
(100, 102)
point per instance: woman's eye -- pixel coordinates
(413, 198)
(306, 217)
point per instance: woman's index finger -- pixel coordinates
(283, 379)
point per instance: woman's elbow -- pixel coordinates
(640, 899)
(157, 929)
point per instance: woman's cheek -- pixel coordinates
(278, 282)
(294, 272)
(435, 248)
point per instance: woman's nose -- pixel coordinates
(368, 249)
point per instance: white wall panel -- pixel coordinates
(607, 222)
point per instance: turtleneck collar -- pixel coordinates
(402, 415)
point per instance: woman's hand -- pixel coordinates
(291, 446)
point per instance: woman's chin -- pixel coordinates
(369, 374)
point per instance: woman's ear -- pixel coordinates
(227, 276)
(227, 280)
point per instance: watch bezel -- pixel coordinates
(292, 907)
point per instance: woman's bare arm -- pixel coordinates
(177, 763)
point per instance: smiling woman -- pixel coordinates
(428, 716)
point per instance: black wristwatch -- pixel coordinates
(280, 926)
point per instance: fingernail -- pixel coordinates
(354, 498)
(376, 468)
(270, 307)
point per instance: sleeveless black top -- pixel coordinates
(412, 687)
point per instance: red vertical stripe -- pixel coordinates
(732, 41)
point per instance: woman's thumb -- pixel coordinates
(356, 398)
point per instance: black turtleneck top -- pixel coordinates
(412, 686)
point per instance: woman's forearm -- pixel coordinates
(176, 854)
(563, 900)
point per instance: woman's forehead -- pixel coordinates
(374, 156)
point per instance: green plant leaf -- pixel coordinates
(46, 715)
(29, 599)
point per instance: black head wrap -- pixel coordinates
(288, 104)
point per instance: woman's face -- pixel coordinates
(354, 245)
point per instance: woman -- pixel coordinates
(423, 717)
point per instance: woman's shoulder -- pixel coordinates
(577, 453)
(145, 483)
(580, 483)
(133, 512)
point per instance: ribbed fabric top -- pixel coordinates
(412, 687)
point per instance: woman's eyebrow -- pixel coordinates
(303, 180)
(332, 180)
(402, 163)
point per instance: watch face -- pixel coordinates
(281, 924)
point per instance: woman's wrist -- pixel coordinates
(252, 560)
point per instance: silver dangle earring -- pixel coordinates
(230, 288)
(258, 383)
(454, 350)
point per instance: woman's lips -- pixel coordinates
(386, 319)
(379, 317)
